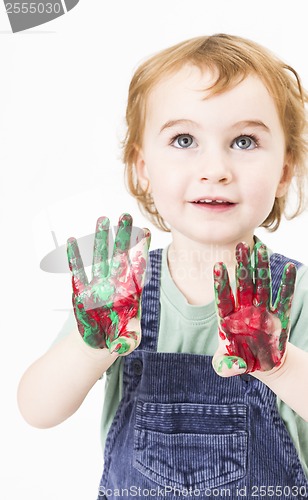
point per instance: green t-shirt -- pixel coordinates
(193, 329)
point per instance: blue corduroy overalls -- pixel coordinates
(181, 431)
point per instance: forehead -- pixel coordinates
(185, 94)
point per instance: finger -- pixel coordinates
(285, 294)
(244, 276)
(223, 294)
(125, 343)
(119, 265)
(122, 239)
(228, 366)
(128, 340)
(263, 291)
(138, 257)
(79, 277)
(100, 266)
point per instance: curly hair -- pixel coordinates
(233, 58)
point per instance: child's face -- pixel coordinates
(229, 148)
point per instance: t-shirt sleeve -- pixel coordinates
(299, 311)
(68, 326)
(297, 427)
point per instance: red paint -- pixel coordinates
(251, 329)
(253, 334)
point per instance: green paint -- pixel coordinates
(124, 232)
(70, 252)
(114, 317)
(102, 291)
(251, 338)
(100, 254)
(89, 330)
(229, 362)
(122, 346)
(104, 306)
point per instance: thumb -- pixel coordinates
(125, 343)
(128, 340)
(228, 366)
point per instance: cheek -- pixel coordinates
(166, 182)
(168, 195)
(259, 201)
(261, 182)
(259, 187)
(164, 190)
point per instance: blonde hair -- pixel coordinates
(233, 58)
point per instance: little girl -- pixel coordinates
(206, 394)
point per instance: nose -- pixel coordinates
(215, 169)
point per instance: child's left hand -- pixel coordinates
(253, 335)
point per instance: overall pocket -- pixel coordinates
(190, 446)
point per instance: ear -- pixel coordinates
(142, 171)
(284, 183)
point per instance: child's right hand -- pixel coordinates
(110, 305)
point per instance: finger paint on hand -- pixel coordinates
(229, 362)
(104, 307)
(252, 329)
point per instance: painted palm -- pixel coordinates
(105, 306)
(253, 334)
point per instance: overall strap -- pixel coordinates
(150, 305)
(277, 264)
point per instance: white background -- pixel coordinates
(62, 105)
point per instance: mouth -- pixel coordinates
(217, 204)
(213, 202)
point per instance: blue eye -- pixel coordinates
(183, 141)
(245, 142)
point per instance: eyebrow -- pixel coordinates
(252, 123)
(172, 123)
(243, 123)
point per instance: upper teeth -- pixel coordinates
(211, 201)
